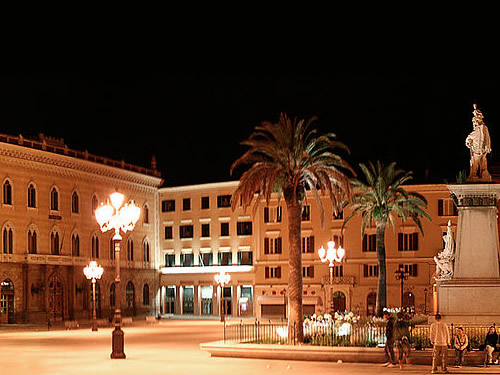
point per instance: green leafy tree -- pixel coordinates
(380, 200)
(289, 158)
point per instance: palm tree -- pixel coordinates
(288, 158)
(380, 200)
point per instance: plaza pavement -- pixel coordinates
(170, 347)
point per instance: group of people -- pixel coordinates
(398, 335)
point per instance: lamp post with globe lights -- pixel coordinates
(93, 272)
(402, 275)
(222, 279)
(332, 255)
(117, 216)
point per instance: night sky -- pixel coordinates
(194, 123)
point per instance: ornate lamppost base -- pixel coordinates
(94, 325)
(118, 344)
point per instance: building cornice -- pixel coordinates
(72, 167)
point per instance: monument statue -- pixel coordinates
(444, 260)
(479, 143)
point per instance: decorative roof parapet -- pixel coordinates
(57, 146)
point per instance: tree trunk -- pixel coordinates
(295, 311)
(382, 272)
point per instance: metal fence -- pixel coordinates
(346, 334)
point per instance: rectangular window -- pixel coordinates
(338, 239)
(338, 215)
(370, 270)
(187, 260)
(446, 207)
(168, 205)
(186, 231)
(205, 230)
(206, 259)
(205, 203)
(169, 260)
(308, 271)
(407, 241)
(272, 214)
(369, 242)
(186, 204)
(244, 258)
(338, 270)
(412, 269)
(244, 228)
(273, 272)
(272, 245)
(223, 201)
(225, 259)
(224, 229)
(306, 213)
(169, 233)
(308, 244)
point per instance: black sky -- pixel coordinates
(194, 123)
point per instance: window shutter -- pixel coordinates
(311, 244)
(440, 207)
(278, 245)
(267, 273)
(365, 243)
(266, 245)
(415, 269)
(278, 272)
(400, 241)
(311, 271)
(266, 214)
(415, 239)
(365, 270)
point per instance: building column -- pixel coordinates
(178, 300)
(196, 300)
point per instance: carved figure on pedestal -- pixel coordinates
(479, 143)
(444, 260)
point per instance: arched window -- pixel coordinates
(339, 301)
(95, 247)
(75, 203)
(7, 192)
(145, 251)
(8, 240)
(409, 299)
(112, 295)
(54, 199)
(145, 294)
(371, 302)
(75, 245)
(54, 243)
(130, 250)
(145, 214)
(129, 295)
(31, 196)
(32, 241)
(95, 204)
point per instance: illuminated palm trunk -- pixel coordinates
(295, 313)
(382, 274)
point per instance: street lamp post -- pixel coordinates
(92, 272)
(402, 275)
(222, 279)
(331, 255)
(425, 301)
(116, 216)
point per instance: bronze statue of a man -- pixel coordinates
(479, 143)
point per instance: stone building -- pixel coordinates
(49, 232)
(201, 235)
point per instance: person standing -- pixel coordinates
(490, 342)
(402, 338)
(389, 343)
(460, 342)
(440, 339)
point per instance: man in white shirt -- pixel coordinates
(440, 339)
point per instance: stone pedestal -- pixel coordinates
(473, 293)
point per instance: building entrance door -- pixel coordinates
(188, 300)
(56, 299)
(7, 302)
